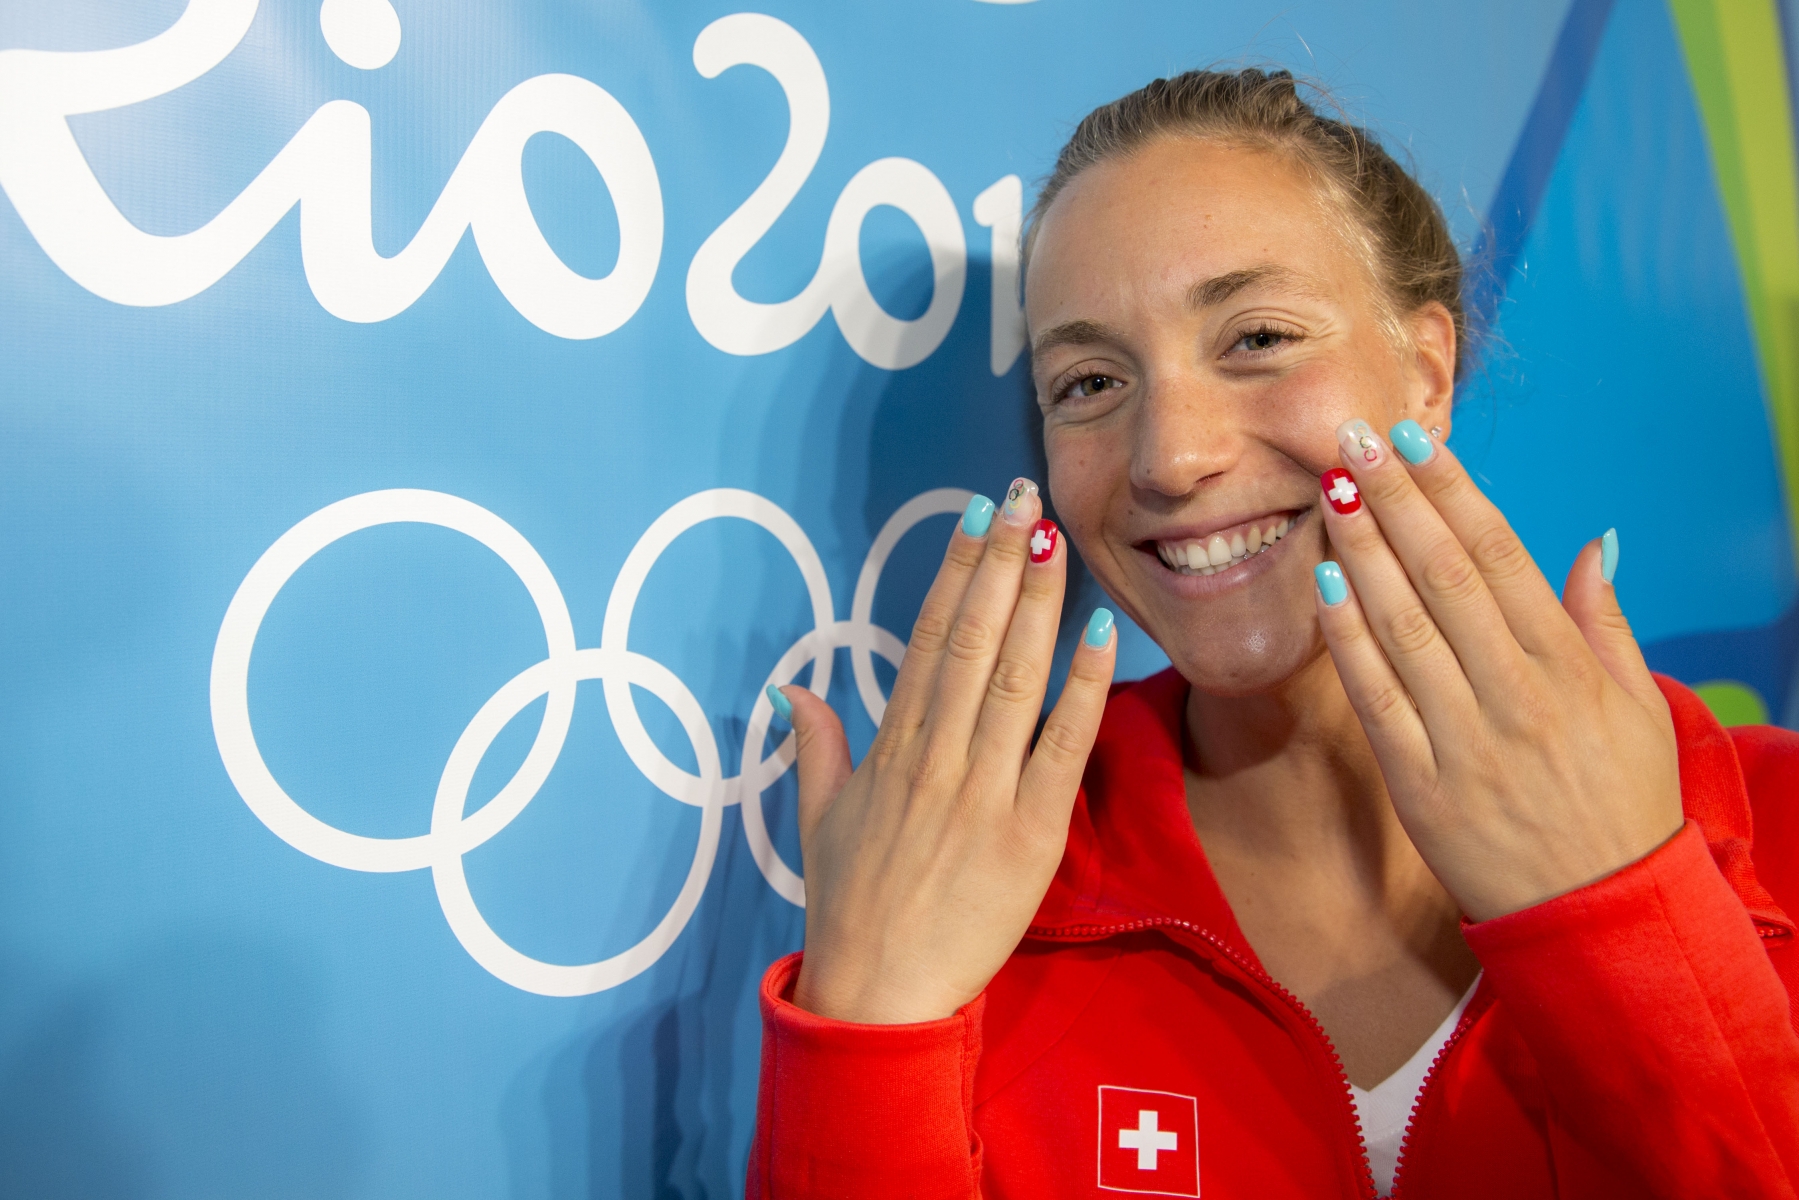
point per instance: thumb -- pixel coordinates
(1592, 601)
(824, 753)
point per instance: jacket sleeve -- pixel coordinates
(1660, 1028)
(864, 1111)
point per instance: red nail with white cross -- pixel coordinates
(1043, 541)
(1340, 489)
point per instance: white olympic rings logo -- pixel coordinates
(454, 832)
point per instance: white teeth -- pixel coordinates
(1215, 554)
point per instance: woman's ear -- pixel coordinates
(1433, 358)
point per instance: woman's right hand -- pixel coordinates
(925, 864)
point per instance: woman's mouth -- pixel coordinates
(1224, 548)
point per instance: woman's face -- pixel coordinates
(1199, 330)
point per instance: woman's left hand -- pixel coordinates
(1527, 749)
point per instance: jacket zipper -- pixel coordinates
(1405, 1141)
(1096, 932)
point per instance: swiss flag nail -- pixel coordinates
(1341, 490)
(1043, 541)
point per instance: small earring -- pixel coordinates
(1436, 431)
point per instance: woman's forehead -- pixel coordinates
(1182, 216)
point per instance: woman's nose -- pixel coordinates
(1182, 436)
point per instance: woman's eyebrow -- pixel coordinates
(1203, 294)
(1072, 333)
(1220, 288)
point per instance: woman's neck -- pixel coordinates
(1289, 769)
(1288, 801)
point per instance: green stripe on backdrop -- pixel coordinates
(1734, 54)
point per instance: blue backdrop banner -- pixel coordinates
(426, 429)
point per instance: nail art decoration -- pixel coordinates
(1408, 438)
(1099, 628)
(781, 704)
(1608, 555)
(1359, 443)
(977, 516)
(1332, 588)
(1043, 541)
(1018, 500)
(1341, 490)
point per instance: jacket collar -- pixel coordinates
(1132, 854)
(1133, 857)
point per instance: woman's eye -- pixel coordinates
(1260, 340)
(1091, 385)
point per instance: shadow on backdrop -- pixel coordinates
(582, 1124)
(194, 1071)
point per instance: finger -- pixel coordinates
(1052, 777)
(1512, 577)
(1404, 626)
(979, 629)
(936, 617)
(824, 755)
(1021, 675)
(1592, 603)
(1440, 569)
(1395, 729)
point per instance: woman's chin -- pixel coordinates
(1252, 646)
(1247, 638)
(1253, 662)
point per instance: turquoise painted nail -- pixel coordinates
(782, 705)
(1330, 583)
(977, 517)
(1099, 628)
(1409, 438)
(1608, 555)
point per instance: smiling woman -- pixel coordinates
(1403, 852)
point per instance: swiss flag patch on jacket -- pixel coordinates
(1148, 1142)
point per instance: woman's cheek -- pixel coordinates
(1303, 426)
(1321, 397)
(1080, 481)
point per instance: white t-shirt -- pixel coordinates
(1385, 1109)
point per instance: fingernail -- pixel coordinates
(1340, 489)
(1043, 541)
(1330, 583)
(1020, 503)
(1360, 444)
(782, 705)
(977, 516)
(1099, 628)
(1608, 555)
(1412, 443)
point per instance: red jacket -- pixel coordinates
(1630, 1038)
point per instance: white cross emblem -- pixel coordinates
(1040, 542)
(1147, 1140)
(1343, 491)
